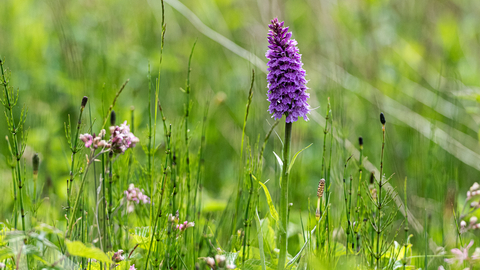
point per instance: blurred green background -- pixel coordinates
(417, 61)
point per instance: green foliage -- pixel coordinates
(77, 248)
(205, 163)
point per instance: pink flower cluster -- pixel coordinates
(473, 192)
(185, 225)
(120, 139)
(135, 196)
(117, 256)
(472, 224)
(461, 255)
(94, 141)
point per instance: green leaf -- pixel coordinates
(295, 157)
(260, 240)
(273, 212)
(5, 252)
(280, 162)
(301, 250)
(77, 248)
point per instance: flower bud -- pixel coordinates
(463, 224)
(473, 220)
(35, 163)
(382, 118)
(84, 101)
(220, 260)
(360, 141)
(117, 256)
(210, 262)
(113, 118)
(475, 186)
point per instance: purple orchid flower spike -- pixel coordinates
(286, 77)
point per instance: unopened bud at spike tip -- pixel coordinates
(35, 163)
(84, 101)
(382, 118)
(372, 177)
(360, 141)
(113, 118)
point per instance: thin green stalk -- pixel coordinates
(71, 219)
(349, 215)
(198, 184)
(358, 219)
(324, 171)
(405, 245)
(103, 237)
(246, 221)
(240, 179)
(74, 148)
(284, 197)
(427, 224)
(159, 214)
(15, 203)
(325, 132)
(110, 192)
(13, 130)
(327, 180)
(347, 212)
(149, 145)
(187, 114)
(379, 197)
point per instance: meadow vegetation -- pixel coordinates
(200, 135)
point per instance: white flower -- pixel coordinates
(473, 220)
(210, 262)
(475, 186)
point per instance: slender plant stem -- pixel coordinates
(74, 149)
(240, 179)
(284, 197)
(379, 201)
(17, 152)
(14, 182)
(347, 211)
(405, 245)
(360, 173)
(71, 220)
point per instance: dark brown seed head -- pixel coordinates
(84, 101)
(372, 177)
(360, 141)
(382, 118)
(113, 118)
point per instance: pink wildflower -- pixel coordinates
(460, 255)
(122, 138)
(117, 256)
(135, 196)
(87, 139)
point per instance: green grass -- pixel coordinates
(209, 149)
